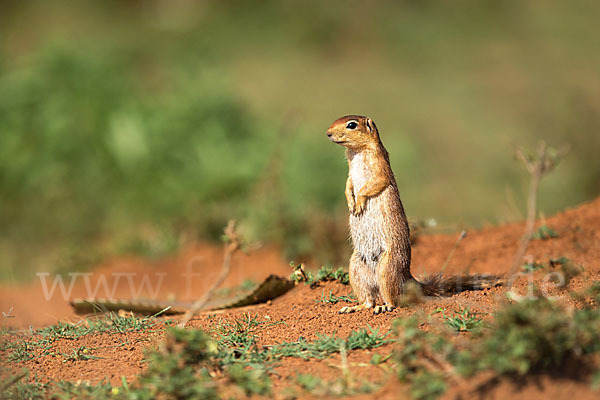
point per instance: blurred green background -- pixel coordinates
(138, 126)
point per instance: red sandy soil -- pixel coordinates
(489, 250)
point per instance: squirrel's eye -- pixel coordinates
(351, 125)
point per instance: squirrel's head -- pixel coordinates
(354, 132)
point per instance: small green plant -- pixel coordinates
(338, 387)
(333, 299)
(178, 369)
(417, 355)
(82, 353)
(366, 338)
(237, 341)
(251, 380)
(544, 232)
(328, 273)
(461, 321)
(532, 266)
(21, 351)
(308, 382)
(324, 274)
(559, 261)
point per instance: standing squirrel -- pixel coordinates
(380, 264)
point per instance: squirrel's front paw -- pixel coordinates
(360, 205)
(351, 207)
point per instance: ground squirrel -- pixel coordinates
(380, 263)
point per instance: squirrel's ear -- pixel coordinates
(371, 127)
(369, 124)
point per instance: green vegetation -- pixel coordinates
(532, 336)
(544, 232)
(324, 274)
(64, 390)
(179, 369)
(461, 321)
(415, 348)
(559, 261)
(120, 155)
(329, 273)
(17, 387)
(128, 128)
(39, 343)
(82, 353)
(594, 292)
(333, 299)
(251, 381)
(366, 338)
(339, 387)
(14, 387)
(237, 343)
(184, 364)
(529, 336)
(567, 269)
(536, 336)
(532, 266)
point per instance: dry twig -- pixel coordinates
(463, 234)
(538, 165)
(232, 245)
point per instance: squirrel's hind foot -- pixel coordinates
(351, 309)
(382, 309)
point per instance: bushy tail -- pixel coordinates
(439, 285)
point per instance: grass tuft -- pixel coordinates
(324, 274)
(544, 233)
(416, 350)
(40, 343)
(333, 299)
(461, 321)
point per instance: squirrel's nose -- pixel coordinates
(329, 134)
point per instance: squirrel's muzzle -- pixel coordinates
(334, 139)
(331, 136)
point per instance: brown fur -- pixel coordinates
(380, 264)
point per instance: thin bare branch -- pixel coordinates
(538, 165)
(232, 245)
(461, 236)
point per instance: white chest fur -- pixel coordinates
(360, 171)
